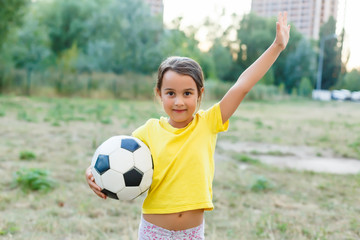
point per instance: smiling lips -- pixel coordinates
(179, 110)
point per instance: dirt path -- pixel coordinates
(297, 157)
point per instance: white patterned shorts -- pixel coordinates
(149, 231)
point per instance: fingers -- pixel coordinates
(100, 194)
(93, 185)
(89, 176)
(285, 18)
(96, 189)
(91, 182)
(279, 17)
(282, 18)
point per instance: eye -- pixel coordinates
(170, 93)
(187, 93)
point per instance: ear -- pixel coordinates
(201, 93)
(158, 92)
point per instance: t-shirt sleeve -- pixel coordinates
(141, 133)
(213, 117)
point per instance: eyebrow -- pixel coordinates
(187, 89)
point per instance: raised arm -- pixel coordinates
(232, 99)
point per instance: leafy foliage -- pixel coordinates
(332, 55)
(27, 155)
(63, 38)
(261, 184)
(306, 87)
(66, 22)
(300, 64)
(34, 179)
(10, 228)
(11, 12)
(124, 38)
(352, 81)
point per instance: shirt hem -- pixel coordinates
(165, 210)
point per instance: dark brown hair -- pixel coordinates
(181, 65)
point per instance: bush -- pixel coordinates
(261, 184)
(264, 92)
(53, 82)
(216, 89)
(34, 179)
(27, 155)
(352, 81)
(305, 88)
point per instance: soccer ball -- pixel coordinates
(122, 167)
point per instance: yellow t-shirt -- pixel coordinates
(183, 162)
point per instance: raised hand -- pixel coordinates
(282, 31)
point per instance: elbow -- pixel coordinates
(245, 91)
(241, 88)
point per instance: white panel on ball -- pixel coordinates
(110, 145)
(94, 158)
(129, 193)
(121, 160)
(143, 159)
(146, 180)
(113, 181)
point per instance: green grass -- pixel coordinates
(299, 123)
(261, 184)
(10, 228)
(253, 202)
(245, 159)
(27, 155)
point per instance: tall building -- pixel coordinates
(306, 15)
(156, 6)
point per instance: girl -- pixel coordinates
(183, 144)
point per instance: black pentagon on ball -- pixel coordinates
(129, 144)
(110, 194)
(102, 164)
(133, 177)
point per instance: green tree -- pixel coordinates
(305, 87)
(66, 22)
(255, 34)
(125, 37)
(352, 81)
(300, 64)
(180, 43)
(31, 47)
(11, 17)
(222, 59)
(222, 44)
(11, 13)
(332, 55)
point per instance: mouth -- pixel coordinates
(179, 110)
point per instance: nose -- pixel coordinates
(179, 101)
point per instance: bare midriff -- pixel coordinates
(177, 221)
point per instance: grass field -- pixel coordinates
(46, 145)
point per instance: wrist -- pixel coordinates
(277, 46)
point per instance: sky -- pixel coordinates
(194, 12)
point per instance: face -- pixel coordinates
(179, 97)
